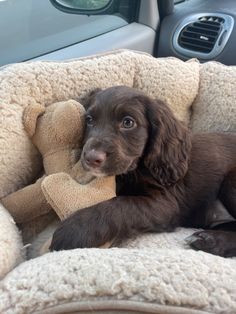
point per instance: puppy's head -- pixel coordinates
(124, 126)
(116, 131)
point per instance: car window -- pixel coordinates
(32, 28)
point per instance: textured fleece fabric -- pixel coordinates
(151, 272)
(12, 251)
(47, 82)
(214, 108)
(154, 273)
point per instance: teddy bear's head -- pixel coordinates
(55, 130)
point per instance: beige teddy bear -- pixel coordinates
(57, 132)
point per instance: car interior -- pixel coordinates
(202, 29)
(54, 56)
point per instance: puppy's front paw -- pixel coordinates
(216, 242)
(86, 228)
(66, 237)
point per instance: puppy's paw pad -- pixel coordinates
(201, 240)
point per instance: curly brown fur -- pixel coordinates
(166, 176)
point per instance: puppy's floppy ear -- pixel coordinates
(169, 144)
(88, 99)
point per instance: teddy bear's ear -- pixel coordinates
(30, 116)
(88, 99)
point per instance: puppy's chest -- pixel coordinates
(134, 183)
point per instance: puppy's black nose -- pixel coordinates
(94, 158)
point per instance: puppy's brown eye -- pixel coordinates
(128, 123)
(89, 120)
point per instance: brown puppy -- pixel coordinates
(166, 176)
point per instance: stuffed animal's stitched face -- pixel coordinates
(116, 131)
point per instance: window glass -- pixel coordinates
(85, 4)
(32, 28)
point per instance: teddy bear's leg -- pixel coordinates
(66, 195)
(27, 203)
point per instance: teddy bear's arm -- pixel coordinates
(66, 195)
(27, 203)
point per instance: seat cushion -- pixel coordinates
(153, 273)
(149, 274)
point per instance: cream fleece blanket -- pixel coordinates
(152, 272)
(11, 247)
(155, 273)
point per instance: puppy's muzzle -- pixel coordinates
(94, 158)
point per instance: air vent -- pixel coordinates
(203, 35)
